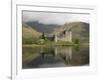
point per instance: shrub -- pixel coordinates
(76, 41)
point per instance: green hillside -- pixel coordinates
(80, 30)
(29, 34)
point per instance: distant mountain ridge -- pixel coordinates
(47, 28)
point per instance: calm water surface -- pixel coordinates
(47, 57)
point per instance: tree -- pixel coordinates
(76, 41)
(43, 35)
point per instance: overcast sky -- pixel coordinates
(54, 18)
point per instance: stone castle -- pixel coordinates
(62, 36)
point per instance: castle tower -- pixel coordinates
(68, 36)
(55, 38)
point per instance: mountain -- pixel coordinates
(46, 28)
(80, 30)
(28, 33)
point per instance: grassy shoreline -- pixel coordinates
(44, 45)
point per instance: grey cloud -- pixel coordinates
(53, 18)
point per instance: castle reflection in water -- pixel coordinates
(59, 56)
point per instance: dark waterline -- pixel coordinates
(48, 57)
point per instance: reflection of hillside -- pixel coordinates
(80, 57)
(42, 55)
(58, 56)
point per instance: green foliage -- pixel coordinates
(76, 41)
(29, 40)
(40, 41)
(64, 43)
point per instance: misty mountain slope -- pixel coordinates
(47, 28)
